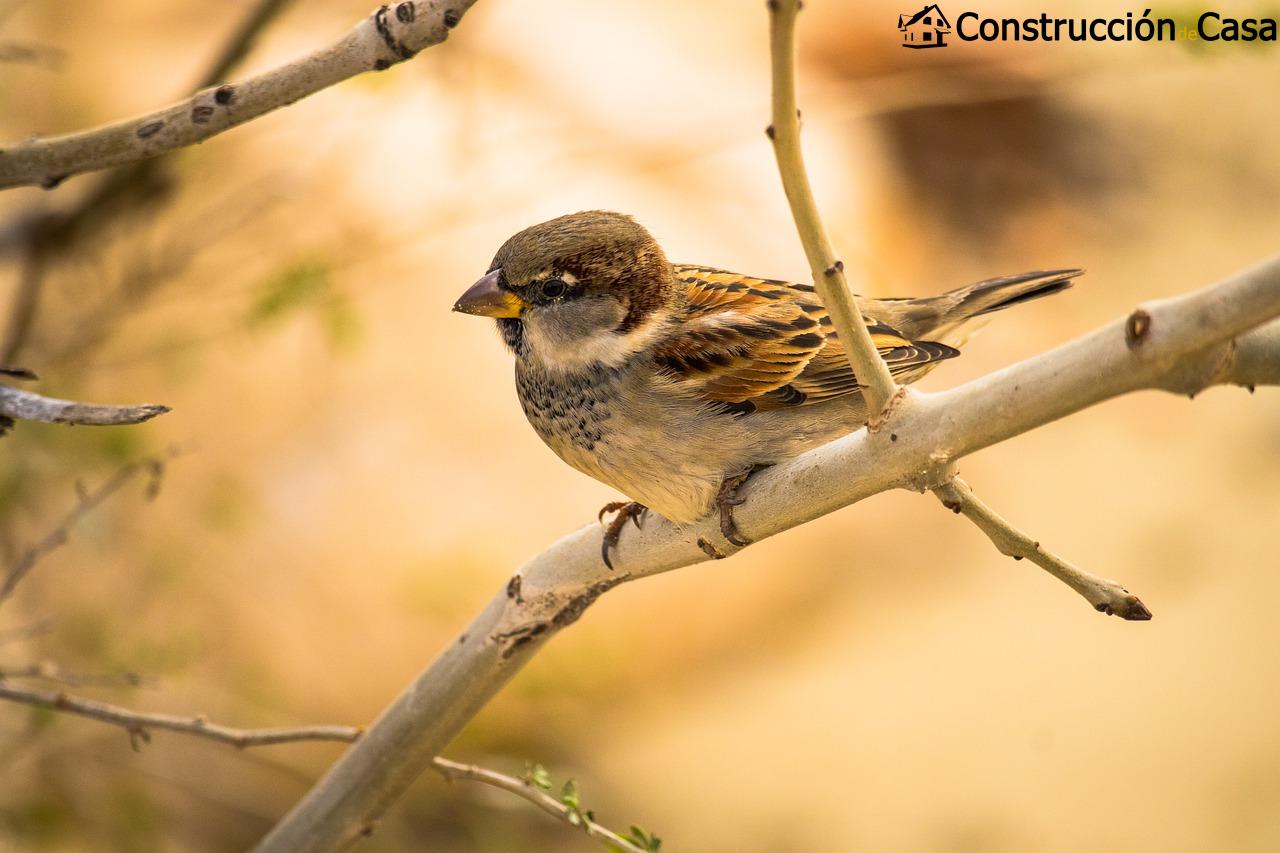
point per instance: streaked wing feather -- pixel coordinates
(759, 344)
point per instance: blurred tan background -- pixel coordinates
(879, 680)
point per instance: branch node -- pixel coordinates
(1137, 328)
(150, 129)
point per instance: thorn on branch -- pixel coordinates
(1137, 328)
(771, 132)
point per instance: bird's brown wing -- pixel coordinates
(756, 344)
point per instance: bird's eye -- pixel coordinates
(553, 288)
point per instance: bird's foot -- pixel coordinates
(625, 511)
(728, 498)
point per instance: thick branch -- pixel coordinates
(1106, 596)
(26, 406)
(388, 36)
(1164, 344)
(878, 387)
(453, 771)
(139, 725)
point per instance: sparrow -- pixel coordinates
(673, 383)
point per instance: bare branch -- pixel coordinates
(389, 36)
(51, 672)
(878, 387)
(87, 502)
(1187, 336)
(1106, 596)
(28, 406)
(453, 771)
(139, 725)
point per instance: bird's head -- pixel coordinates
(585, 289)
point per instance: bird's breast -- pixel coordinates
(608, 424)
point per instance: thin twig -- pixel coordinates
(878, 387)
(1106, 596)
(139, 724)
(87, 502)
(453, 771)
(53, 673)
(29, 406)
(389, 36)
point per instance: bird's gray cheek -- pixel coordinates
(571, 322)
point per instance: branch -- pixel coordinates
(49, 671)
(1184, 344)
(27, 406)
(1106, 596)
(388, 36)
(139, 724)
(878, 387)
(46, 235)
(453, 771)
(86, 503)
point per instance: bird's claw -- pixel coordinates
(626, 511)
(727, 499)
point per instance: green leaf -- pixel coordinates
(644, 840)
(537, 776)
(569, 795)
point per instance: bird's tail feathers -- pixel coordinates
(939, 317)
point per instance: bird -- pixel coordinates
(673, 383)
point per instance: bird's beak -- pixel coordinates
(486, 299)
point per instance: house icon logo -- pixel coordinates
(926, 28)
